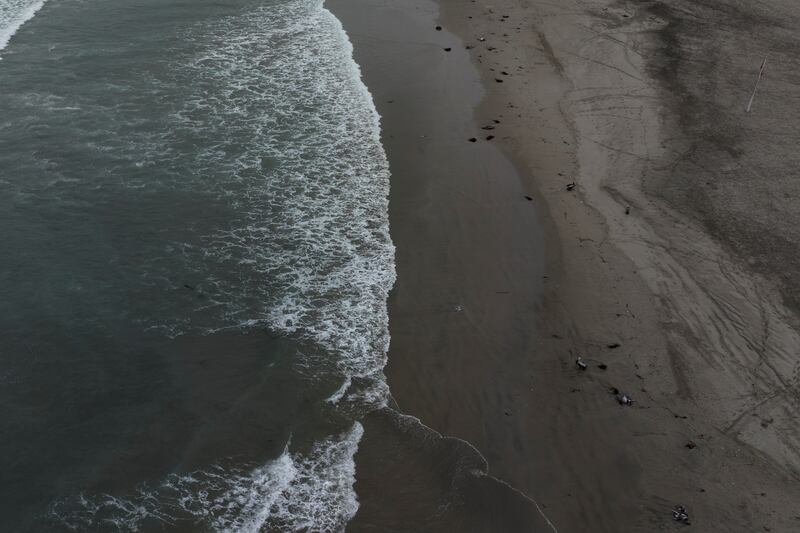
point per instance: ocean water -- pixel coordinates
(194, 266)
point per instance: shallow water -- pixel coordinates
(195, 265)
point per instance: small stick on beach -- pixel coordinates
(758, 79)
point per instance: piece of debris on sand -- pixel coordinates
(679, 514)
(623, 399)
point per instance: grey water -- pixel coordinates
(194, 265)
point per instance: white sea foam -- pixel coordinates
(286, 133)
(283, 132)
(309, 491)
(13, 14)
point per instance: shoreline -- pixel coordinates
(469, 263)
(628, 282)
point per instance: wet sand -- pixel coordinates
(668, 267)
(470, 258)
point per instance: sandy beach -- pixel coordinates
(618, 204)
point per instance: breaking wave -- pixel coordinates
(13, 14)
(295, 492)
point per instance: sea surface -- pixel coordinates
(194, 266)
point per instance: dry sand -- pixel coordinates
(679, 244)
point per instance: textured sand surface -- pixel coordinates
(643, 107)
(678, 244)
